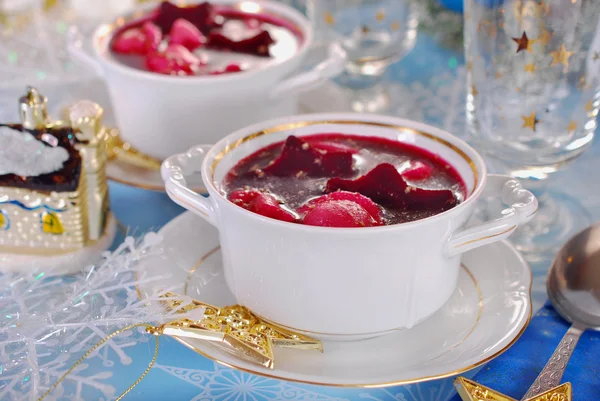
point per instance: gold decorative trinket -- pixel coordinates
(472, 391)
(236, 330)
(53, 188)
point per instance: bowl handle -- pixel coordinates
(332, 66)
(522, 207)
(174, 170)
(76, 51)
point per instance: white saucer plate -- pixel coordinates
(488, 312)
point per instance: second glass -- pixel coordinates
(374, 34)
(533, 97)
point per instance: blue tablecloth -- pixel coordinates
(181, 374)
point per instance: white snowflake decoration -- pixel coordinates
(47, 323)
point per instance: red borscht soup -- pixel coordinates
(339, 180)
(204, 39)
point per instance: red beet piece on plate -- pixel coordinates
(261, 203)
(137, 40)
(186, 34)
(175, 60)
(385, 185)
(365, 203)
(257, 45)
(202, 16)
(298, 158)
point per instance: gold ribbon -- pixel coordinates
(98, 345)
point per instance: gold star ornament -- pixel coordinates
(235, 329)
(329, 20)
(572, 126)
(469, 390)
(561, 56)
(530, 121)
(530, 68)
(545, 37)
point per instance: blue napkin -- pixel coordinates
(514, 371)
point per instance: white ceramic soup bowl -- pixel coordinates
(344, 281)
(161, 114)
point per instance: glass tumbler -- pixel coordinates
(533, 97)
(374, 34)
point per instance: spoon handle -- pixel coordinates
(553, 372)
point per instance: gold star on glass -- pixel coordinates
(481, 24)
(561, 56)
(235, 329)
(545, 37)
(530, 68)
(468, 390)
(524, 43)
(365, 29)
(395, 26)
(530, 121)
(474, 90)
(528, 8)
(588, 106)
(572, 126)
(329, 20)
(380, 16)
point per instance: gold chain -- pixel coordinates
(149, 329)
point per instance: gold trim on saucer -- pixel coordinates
(197, 265)
(301, 124)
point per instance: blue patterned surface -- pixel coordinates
(183, 375)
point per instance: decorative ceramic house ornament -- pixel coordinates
(54, 211)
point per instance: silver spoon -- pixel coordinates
(574, 291)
